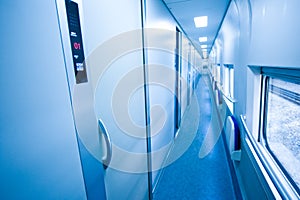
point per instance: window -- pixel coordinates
(228, 80)
(217, 74)
(281, 124)
(228, 83)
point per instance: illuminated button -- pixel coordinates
(73, 34)
(79, 67)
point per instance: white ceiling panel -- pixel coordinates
(185, 10)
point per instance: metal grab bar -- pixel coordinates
(232, 100)
(102, 131)
(278, 184)
(219, 86)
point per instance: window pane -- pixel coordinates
(231, 78)
(283, 125)
(226, 80)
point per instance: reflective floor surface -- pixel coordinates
(193, 176)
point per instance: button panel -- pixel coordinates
(76, 41)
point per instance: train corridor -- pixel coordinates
(196, 176)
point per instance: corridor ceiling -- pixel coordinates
(184, 12)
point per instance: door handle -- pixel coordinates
(103, 132)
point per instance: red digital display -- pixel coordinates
(76, 45)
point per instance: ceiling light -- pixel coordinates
(203, 46)
(200, 21)
(204, 49)
(202, 39)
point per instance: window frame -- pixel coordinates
(227, 88)
(229, 69)
(289, 75)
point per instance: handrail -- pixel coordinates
(267, 165)
(232, 100)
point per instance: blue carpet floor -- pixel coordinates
(192, 177)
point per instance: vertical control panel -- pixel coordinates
(76, 41)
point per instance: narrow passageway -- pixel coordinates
(192, 177)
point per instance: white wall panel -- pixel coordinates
(39, 156)
(114, 54)
(275, 33)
